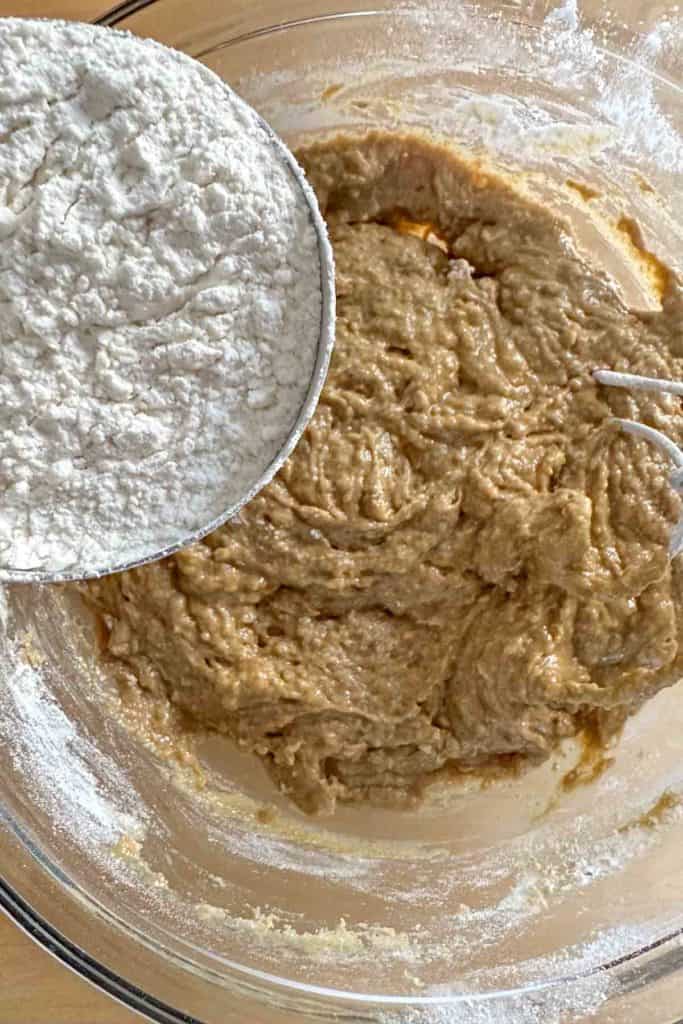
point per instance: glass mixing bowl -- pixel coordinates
(555, 896)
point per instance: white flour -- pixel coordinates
(160, 297)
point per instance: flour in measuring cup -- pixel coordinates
(160, 297)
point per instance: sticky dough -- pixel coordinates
(464, 560)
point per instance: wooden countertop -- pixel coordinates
(36, 989)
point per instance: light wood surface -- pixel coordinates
(80, 10)
(34, 988)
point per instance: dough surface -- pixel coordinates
(464, 560)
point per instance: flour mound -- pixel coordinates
(160, 297)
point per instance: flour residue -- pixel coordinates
(46, 744)
(342, 941)
(598, 106)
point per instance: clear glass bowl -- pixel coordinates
(556, 896)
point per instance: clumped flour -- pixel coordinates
(160, 297)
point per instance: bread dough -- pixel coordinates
(463, 560)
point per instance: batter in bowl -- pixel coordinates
(464, 560)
